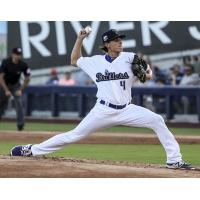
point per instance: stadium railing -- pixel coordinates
(138, 93)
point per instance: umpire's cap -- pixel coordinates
(109, 36)
(17, 51)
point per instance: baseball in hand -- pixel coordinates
(88, 29)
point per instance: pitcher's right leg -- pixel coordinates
(138, 116)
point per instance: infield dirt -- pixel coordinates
(23, 167)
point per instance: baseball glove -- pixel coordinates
(139, 67)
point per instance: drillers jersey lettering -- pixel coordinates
(111, 76)
(108, 76)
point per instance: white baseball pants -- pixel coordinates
(101, 117)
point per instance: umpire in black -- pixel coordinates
(10, 73)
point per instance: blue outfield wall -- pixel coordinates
(84, 94)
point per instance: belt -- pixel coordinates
(112, 105)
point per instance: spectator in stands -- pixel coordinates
(53, 80)
(159, 74)
(82, 79)
(159, 100)
(175, 78)
(186, 60)
(67, 80)
(176, 75)
(196, 63)
(189, 79)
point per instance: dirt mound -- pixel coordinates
(64, 168)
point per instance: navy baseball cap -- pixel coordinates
(110, 35)
(17, 50)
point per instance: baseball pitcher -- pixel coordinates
(113, 74)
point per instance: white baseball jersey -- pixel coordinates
(113, 78)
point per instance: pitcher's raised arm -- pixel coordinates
(76, 51)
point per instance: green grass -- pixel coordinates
(66, 127)
(38, 126)
(153, 154)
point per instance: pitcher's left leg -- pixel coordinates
(95, 120)
(138, 116)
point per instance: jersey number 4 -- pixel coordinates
(123, 84)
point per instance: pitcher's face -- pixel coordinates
(115, 45)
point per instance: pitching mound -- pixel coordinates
(64, 168)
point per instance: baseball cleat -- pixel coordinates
(21, 150)
(179, 165)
